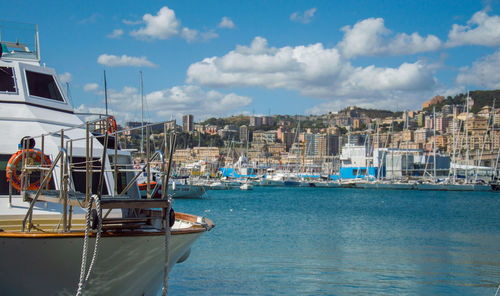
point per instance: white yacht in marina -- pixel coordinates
(71, 218)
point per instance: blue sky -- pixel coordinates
(220, 58)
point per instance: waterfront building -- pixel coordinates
(268, 120)
(420, 119)
(261, 137)
(199, 127)
(187, 123)
(228, 132)
(421, 135)
(441, 123)
(244, 133)
(211, 129)
(255, 121)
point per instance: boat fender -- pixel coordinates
(14, 167)
(171, 217)
(94, 219)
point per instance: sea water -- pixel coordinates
(326, 241)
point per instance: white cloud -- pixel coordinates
(304, 17)
(175, 101)
(131, 23)
(311, 70)
(191, 98)
(117, 33)
(209, 35)
(165, 25)
(124, 61)
(161, 26)
(370, 37)
(226, 23)
(91, 87)
(483, 72)
(65, 77)
(481, 29)
(91, 19)
(188, 34)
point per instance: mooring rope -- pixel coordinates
(84, 278)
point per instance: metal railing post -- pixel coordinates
(87, 163)
(116, 164)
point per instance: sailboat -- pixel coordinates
(71, 219)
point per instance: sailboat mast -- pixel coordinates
(142, 116)
(454, 146)
(378, 151)
(105, 93)
(407, 143)
(392, 150)
(467, 140)
(434, 144)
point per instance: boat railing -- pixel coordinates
(63, 166)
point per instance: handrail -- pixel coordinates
(29, 214)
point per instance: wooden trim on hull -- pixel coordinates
(200, 225)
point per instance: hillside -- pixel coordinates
(481, 98)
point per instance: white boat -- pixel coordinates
(217, 185)
(321, 184)
(55, 179)
(386, 185)
(271, 181)
(431, 186)
(292, 180)
(246, 186)
(334, 184)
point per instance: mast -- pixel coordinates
(434, 144)
(142, 116)
(407, 143)
(378, 151)
(491, 118)
(105, 93)
(467, 140)
(392, 150)
(454, 146)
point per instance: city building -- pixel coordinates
(187, 123)
(244, 133)
(255, 121)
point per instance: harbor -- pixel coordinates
(310, 241)
(250, 148)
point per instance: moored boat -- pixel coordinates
(71, 216)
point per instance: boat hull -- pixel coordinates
(125, 265)
(269, 182)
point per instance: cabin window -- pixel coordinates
(7, 82)
(43, 85)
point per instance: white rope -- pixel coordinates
(97, 237)
(84, 278)
(85, 244)
(497, 290)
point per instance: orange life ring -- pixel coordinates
(112, 125)
(14, 167)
